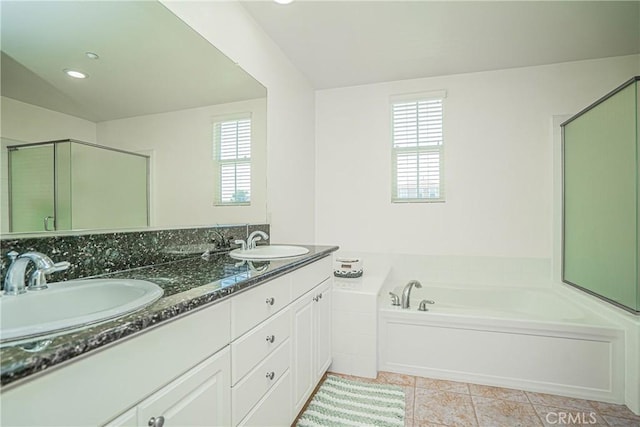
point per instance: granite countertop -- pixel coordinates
(188, 284)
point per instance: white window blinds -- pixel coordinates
(232, 158)
(417, 150)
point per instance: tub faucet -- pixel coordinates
(14, 282)
(406, 292)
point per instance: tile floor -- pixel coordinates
(432, 403)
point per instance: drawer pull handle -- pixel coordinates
(315, 298)
(320, 296)
(271, 338)
(156, 422)
(271, 375)
(271, 301)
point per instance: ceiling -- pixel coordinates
(150, 61)
(346, 43)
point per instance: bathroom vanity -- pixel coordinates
(245, 349)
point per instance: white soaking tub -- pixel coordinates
(531, 339)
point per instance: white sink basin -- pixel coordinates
(73, 304)
(269, 252)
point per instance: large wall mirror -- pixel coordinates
(153, 87)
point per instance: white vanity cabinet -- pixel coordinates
(199, 397)
(291, 346)
(312, 337)
(250, 360)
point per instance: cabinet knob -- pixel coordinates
(271, 375)
(320, 296)
(315, 298)
(156, 421)
(271, 301)
(271, 338)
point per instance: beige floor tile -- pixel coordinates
(498, 393)
(438, 403)
(619, 411)
(442, 385)
(504, 413)
(558, 401)
(443, 407)
(397, 379)
(621, 422)
(409, 400)
(551, 417)
(426, 424)
(353, 378)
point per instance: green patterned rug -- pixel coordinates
(341, 402)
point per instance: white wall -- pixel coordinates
(498, 161)
(30, 123)
(290, 112)
(183, 176)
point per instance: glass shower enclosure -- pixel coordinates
(601, 200)
(73, 185)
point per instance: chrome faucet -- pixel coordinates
(219, 240)
(14, 281)
(254, 237)
(406, 292)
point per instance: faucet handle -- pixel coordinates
(38, 280)
(12, 255)
(423, 304)
(395, 299)
(58, 266)
(242, 243)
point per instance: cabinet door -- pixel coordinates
(303, 350)
(200, 397)
(322, 328)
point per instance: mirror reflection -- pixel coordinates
(152, 87)
(67, 185)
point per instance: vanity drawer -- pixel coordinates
(257, 383)
(248, 350)
(255, 305)
(306, 278)
(275, 407)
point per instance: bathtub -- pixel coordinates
(526, 338)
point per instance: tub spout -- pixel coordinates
(406, 293)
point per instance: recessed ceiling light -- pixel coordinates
(283, 1)
(75, 74)
(92, 55)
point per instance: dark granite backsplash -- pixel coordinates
(104, 253)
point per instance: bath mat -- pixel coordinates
(342, 402)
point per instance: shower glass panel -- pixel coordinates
(65, 185)
(600, 197)
(106, 181)
(32, 191)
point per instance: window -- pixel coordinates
(417, 148)
(232, 158)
